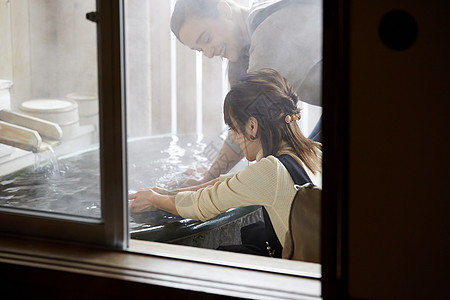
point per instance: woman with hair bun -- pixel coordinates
(261, 112)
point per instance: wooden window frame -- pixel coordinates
(114, 259)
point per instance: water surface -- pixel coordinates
(72, 186)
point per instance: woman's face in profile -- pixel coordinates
(214, 37)
(250, 148)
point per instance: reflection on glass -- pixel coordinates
(49, 108)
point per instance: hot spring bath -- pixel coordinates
(72, 186)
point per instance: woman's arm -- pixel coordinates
(157, 198)
(226, 159)
(187, 189)
(254, 185)
(199, 186)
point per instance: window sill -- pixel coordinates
(178, 267)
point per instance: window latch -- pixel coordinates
(93, 16)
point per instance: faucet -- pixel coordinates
(28, 133)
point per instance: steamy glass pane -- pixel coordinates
(49, 158)
(175, 126)
(174, 122)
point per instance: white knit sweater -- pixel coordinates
(266, 182)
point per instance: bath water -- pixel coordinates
(46, 157)
(71, 184)
(68, 185)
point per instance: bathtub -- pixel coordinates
(70, 185)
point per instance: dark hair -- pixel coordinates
(268, 97)
(200, 9)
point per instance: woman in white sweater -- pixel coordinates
(261, 112)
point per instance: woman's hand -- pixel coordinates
(192, 179)
(150, 199)
(143, 200)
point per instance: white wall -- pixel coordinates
(49, 49)
(53, 48)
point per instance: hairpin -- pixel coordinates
(292, 118)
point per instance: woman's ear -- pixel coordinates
(224, 9)
(253, 126)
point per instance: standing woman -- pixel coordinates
(261, 111)
(284, 35)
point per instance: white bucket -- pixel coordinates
(87, 103)
(5, 97)
(70, 129)
(87, 107)
(63, 112)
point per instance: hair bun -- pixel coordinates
(294, 98)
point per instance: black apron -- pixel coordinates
(260, 238)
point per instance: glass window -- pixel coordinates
(175, 126)
(51, 105)
(54, 79)
(73, 185)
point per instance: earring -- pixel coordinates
(252, 137)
